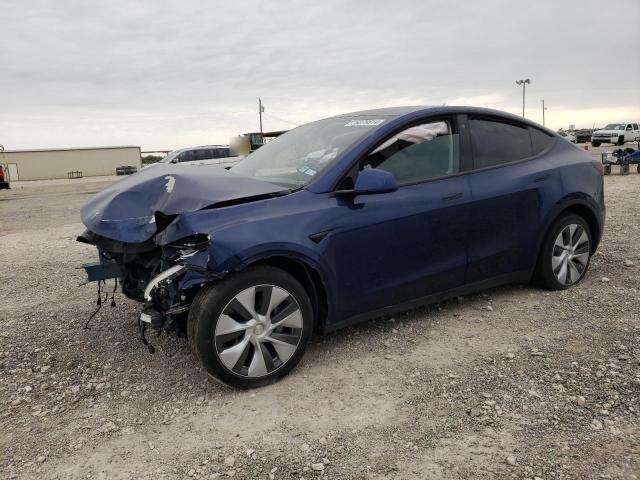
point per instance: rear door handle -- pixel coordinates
(542, 178)
(455, 196)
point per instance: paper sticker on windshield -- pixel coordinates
(307, 170)
(364, 123)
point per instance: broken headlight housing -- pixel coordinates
(188, 246)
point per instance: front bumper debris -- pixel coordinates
(102, 270)
(165, 277)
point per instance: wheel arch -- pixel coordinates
(578, 207)
(305, 272)
(590, 217)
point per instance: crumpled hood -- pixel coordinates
(125, 211)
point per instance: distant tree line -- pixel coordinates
(148, 159)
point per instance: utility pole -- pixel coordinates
(260, 110)
(524, 87)
(543, 109)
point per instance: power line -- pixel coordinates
(281, 119)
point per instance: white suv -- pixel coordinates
(616, 133)
(204, 155)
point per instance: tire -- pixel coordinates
(638, 168)
(553, 255)
(624, 169)
(620, 141)
(239, 345)
(595, 144)
(607, 169)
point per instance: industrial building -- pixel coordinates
(68, 162)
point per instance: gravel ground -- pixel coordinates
(514, 382)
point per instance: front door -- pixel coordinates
(396, 247)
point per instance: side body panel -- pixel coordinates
(582, 184)
(396, 247)
(509, 205)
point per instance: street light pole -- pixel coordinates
(260, 110)
(524, 87)
(543, 109)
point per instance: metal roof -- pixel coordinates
(66, 149)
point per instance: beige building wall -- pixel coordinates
(48, 164)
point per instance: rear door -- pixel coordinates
(509, 186)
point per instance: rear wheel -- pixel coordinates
(566, 253)
(251, 329)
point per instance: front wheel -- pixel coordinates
(595, 144)
(620, 141)
(251, 329)
(565, 254)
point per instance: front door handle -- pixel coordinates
(455, 196)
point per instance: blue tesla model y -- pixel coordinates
(340, 220)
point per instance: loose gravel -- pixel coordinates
(514, 382)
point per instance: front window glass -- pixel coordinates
(294, 158)
(419, 153)
(186, 156)
(614, 126)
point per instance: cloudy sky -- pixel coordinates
(169, 74)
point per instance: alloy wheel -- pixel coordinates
(570, 254)
(258, 331)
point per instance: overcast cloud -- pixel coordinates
(169, 74)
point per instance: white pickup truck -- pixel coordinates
(616, 133)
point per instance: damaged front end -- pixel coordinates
(124, 221)
(164, 278)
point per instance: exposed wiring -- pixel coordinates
(100, 301)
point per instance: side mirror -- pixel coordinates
(371, 181)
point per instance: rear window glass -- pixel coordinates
(539, 140)
(495, 143)
(221, 153)
(203, 154)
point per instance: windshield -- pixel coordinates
(614, 126)
(293, 159)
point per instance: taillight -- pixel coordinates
(1, 174)
(598, 166)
